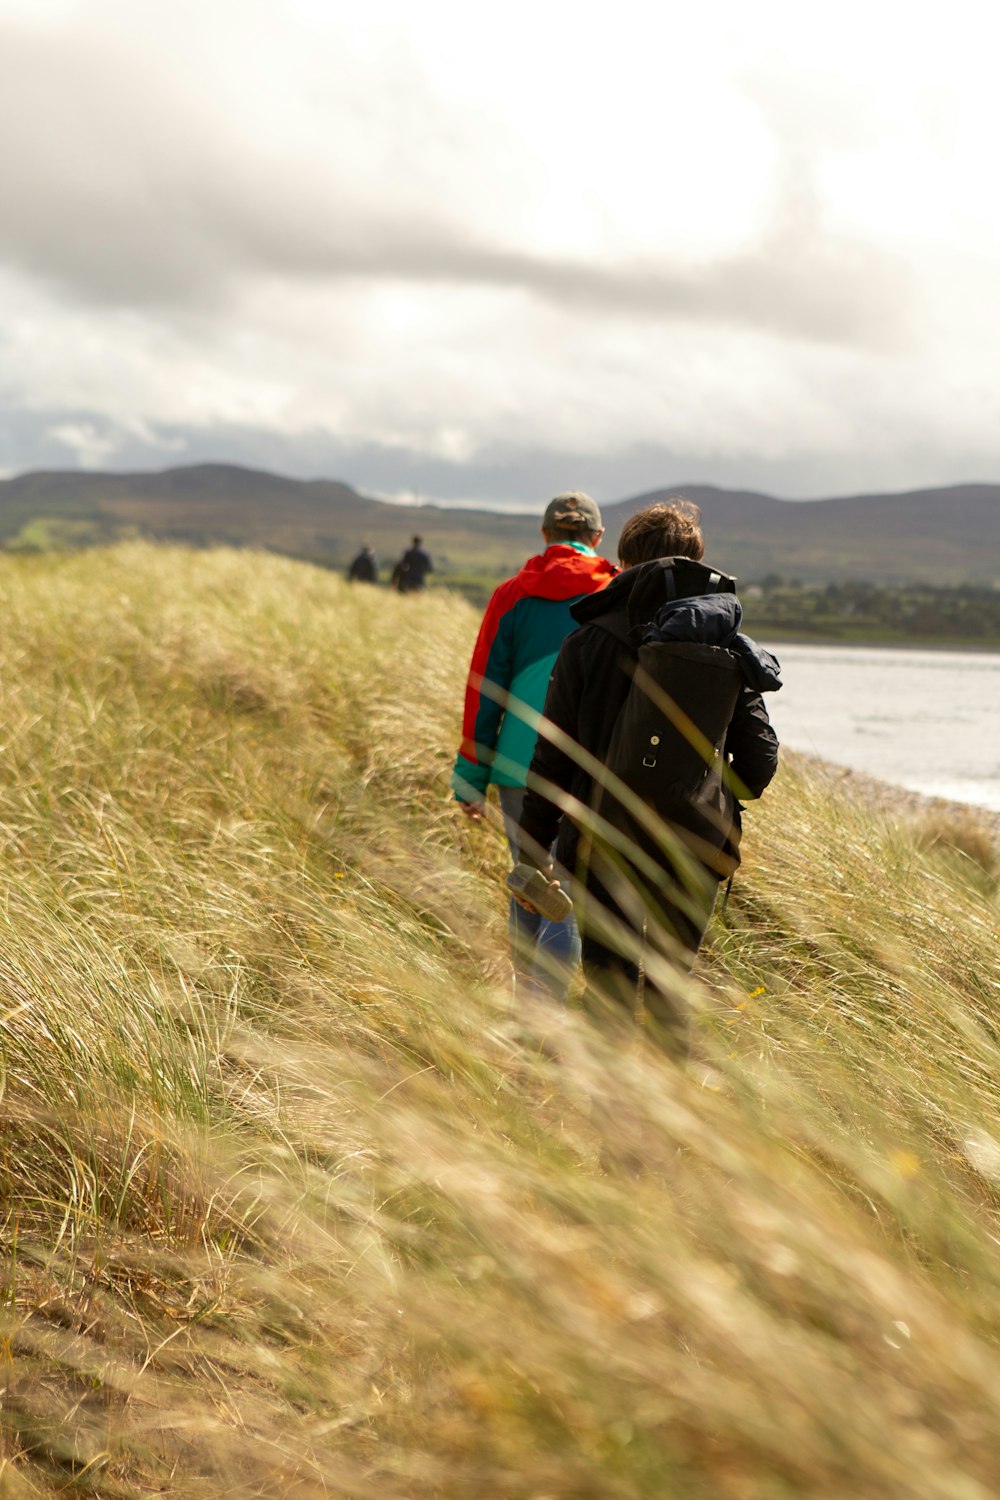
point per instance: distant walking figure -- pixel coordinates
(410, 573)
(364, 568)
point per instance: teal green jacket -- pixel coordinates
(525, 624)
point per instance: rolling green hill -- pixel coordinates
(293, 1202)
(942, 536)
(937, 536)
(212, 504)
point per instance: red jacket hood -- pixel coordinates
(562, 573)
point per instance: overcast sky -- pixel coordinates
(487, 252)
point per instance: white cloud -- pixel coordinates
(445, 232)
(89, 447)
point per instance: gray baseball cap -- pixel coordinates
(572, 511)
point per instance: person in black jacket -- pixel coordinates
(364, 568)
(410, 573)
(627, 922)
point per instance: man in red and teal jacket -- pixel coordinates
(525, 624)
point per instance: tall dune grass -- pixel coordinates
(293, 1205)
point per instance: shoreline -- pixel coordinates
(892, 800)
(956, 648)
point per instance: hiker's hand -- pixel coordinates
(548, 871)
(474, 810)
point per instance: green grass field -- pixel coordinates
(290, 1206)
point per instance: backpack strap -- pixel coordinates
(656, 586)
(712, 583)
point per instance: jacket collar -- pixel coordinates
(644, 589)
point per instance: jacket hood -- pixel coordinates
(562, 573)
(643, 590)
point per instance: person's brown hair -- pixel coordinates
(670, 528)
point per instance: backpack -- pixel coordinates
(667, 746)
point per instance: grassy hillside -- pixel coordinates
(290, 1206)
(222, 504)
(943, 537)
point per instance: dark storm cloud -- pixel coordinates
(122, 188)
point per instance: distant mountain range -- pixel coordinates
(948, 536)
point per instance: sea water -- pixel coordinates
(927, 720)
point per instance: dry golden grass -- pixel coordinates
(964, 838)
(291, 1207)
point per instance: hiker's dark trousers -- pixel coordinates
(631, 952)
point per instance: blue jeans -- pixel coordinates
(546, 954)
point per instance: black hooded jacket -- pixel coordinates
(591, 681)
